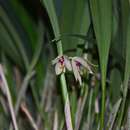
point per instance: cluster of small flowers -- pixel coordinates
(74, 64)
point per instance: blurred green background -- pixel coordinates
(30, 34)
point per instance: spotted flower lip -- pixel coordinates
(77, 63)
(61, 63)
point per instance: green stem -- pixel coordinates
(64, 87)
(65, 93)
(66, 102)
(54, 21)
(103, 105)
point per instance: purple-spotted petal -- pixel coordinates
(76, 72)
(61, 63)
(83, 63)
(58, 68)
(68, 63)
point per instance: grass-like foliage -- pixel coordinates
(64, 64)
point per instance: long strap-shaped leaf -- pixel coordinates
(54, 22)
(127, 71)
(10, 49)
(101, 11)
(75, 18)
(113, 114)
(15, 35)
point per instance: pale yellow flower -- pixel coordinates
(77, 64)
(61, 63)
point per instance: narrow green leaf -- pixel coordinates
(76, 36)
(10, 48)
(115, 83)
(26, 22)
(17, 40)
(127, 64)
(102, 21)
(54, 22)
(75, 18)
(113, 114)
(127, 59)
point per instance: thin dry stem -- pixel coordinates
(27, 113)
(6, 87)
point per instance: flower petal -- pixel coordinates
(56, 59)
(67, 63)
(58, 68)
(76, 72)
(84, 63)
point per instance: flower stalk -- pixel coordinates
(65, 94)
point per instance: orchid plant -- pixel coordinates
(74, 64)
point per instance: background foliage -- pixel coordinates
(32, 33)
